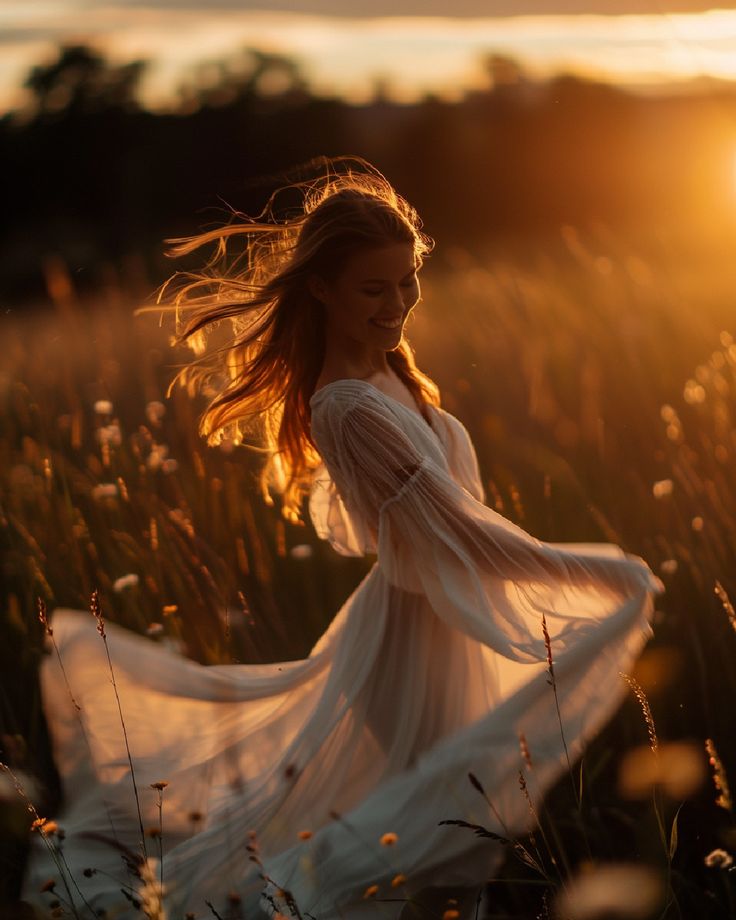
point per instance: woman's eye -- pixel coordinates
(373, 293)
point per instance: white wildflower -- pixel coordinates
(157, 456)
(154, 629)
(662, 487)
(110, 434)
(718, 859)
(103, 407)
(301, 551)
(624, 890)
(155, 411)
(668, 566)
(677, 767)
(125, 581)
(170, 465)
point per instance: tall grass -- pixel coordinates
(599, 385)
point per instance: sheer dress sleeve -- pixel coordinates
(479, 571)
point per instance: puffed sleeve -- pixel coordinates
(480, 572)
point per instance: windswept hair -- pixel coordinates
(265, 371)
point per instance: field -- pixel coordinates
(596, 374)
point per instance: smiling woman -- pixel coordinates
(366, 307)
(329, 785)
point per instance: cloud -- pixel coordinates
(458, 8)
(346, 54)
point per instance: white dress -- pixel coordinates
(430, 670)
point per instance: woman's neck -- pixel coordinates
(349, 358)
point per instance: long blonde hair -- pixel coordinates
(266, 370)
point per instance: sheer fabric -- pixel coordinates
(431, 669)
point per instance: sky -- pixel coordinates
(414, 46)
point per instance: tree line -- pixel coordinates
(94, 176)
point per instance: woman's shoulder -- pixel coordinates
(341, 389)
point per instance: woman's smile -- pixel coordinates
(388, 322)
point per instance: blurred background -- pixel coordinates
(576, 164)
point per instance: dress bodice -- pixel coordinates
(334, 513)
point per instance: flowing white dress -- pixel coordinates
(430, 670)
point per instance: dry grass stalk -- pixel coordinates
(96, 609)
(720, 780)
(727, 605)
(553, 683)
(646, 709)
(47, 829)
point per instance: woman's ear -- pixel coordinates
(317, 287)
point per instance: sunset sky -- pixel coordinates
(413, 45)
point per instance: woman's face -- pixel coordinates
(371, 298)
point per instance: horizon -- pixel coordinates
(349, 56)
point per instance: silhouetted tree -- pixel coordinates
(81, 80)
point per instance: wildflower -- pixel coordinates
(170, 465)
(155, 411)
(301, 551)
(371, 891)
(716, 859)
(161, 784)
(677, 768)
(693, 392)
(398, 880)
(154, 629)
(109, 434)
(304, 835)
(48, 827)
(125, 581)
(619, 889)
(662, 487)
(105, 490)
(168, 609)
(156, 457)
(697, 524)
(668, 567)
(103, 407)
(389, 839)
(153, 832)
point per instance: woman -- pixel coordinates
(328, 778)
